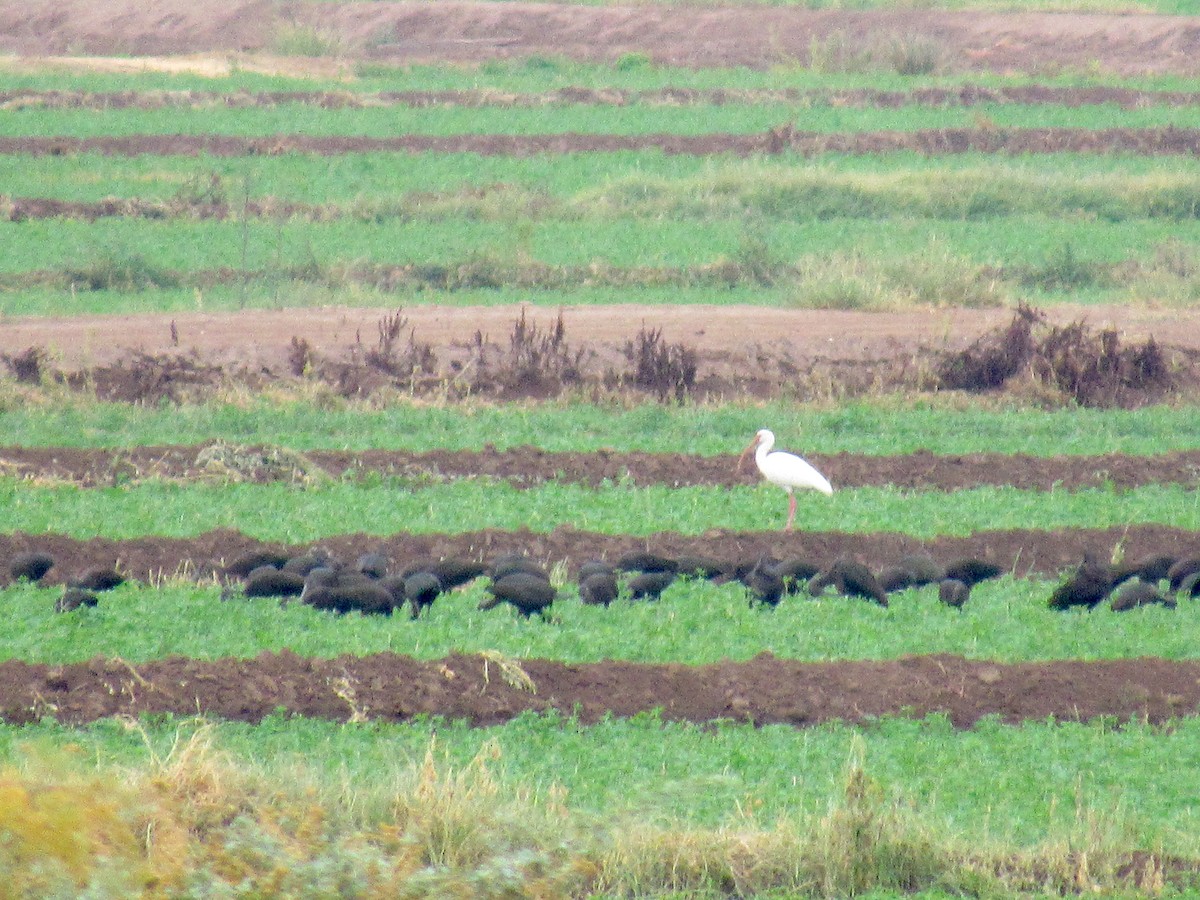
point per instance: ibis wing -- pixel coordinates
(790, 471)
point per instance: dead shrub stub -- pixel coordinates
(1088, 367)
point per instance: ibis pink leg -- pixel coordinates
(791, 511)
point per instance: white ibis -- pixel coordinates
(786, 470)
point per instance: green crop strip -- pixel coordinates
(694, 623)
(1019, 244)
(871, 429)
(541, 74)
(813, 191)
(301, 118)
(635, 183)
(280, 513)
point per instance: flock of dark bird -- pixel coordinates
(370, 586)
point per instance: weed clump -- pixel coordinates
(1094, 370)
(994, 358)
(121, 272)
(666, 370)
(151, 379)
(1088, 367)
(387, 356)
(26, 366)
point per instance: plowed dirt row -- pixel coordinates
(530, 466)
(966, 95)
(1145, 141)
(203, 557)
(764, 690)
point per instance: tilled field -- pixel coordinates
(600, 228)
(762, 690)
(749, 353)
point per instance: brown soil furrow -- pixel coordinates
(1144, 141)
(763, 690)
(964, 95)
(1023, 552)
(530, 466)
(412, 276)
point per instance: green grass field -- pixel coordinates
(634, 119)
(892, 231)
(890, 426)
(543, 806)
(280, 513)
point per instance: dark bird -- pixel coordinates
(970, 570)
(743, 566)
(368, 598)
(453, 572)
(796, 571)
(644, 561)
(764, 584)
(374, 564)
(320, 577)
(923, 569)
(598, 588)
(99, 579)
(1135, 592)
(1182, 569)
(895, 578)
(420, 590)
(318, 558)
(267, 581)
(528, 592)
(1150, 568)
(1190, 586)
(248, 562)
(1087, 586)
(953, 592)
(73, 598)
(851, 578)
(702, 567)
(514, 563)
(912, 570)
(30, 565)
(394, 585)
(596, 567)
(649, 585)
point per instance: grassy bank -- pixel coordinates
(543, 807)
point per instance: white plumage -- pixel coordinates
(786, 470)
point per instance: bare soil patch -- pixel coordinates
(659, 352)
(764, 690)
(753, 36)
(531, 466)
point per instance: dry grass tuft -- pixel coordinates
(194, 821)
